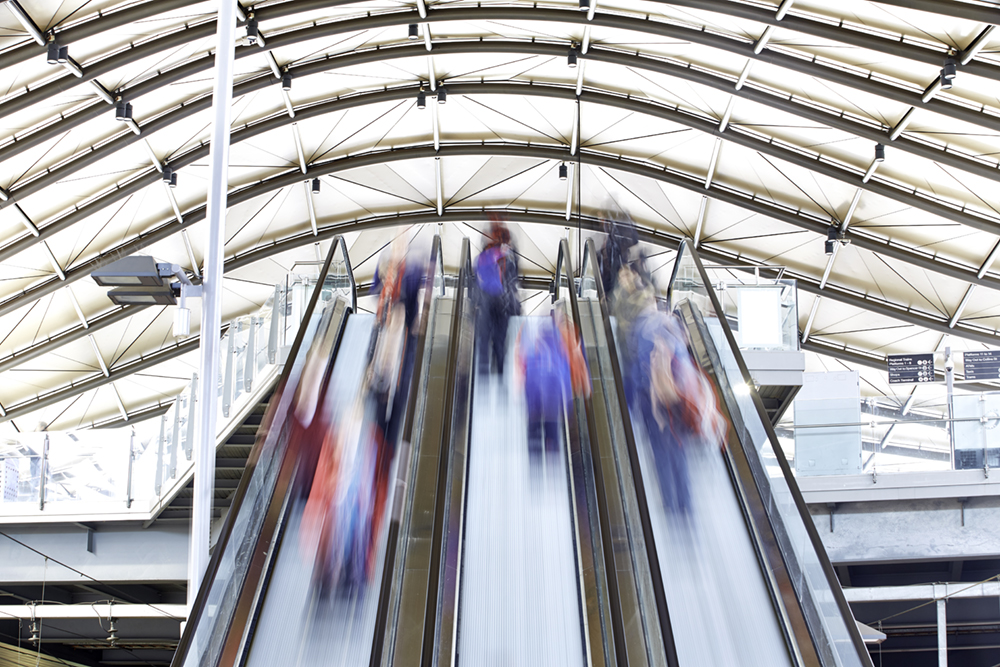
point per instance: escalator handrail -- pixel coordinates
(465, 276)
(434, 267)
(800, 504)
(659, 593)
(197, 609)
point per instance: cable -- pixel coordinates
(118, 591)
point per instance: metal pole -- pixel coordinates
(942, 632)
(949, 379)
(211, 320)
(41, 473)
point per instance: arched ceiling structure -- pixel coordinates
(748, 126)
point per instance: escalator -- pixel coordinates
(741, 578)
(259, 604)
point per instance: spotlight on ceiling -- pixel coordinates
(948, 74)
(572, 57)
(286, 81)
(832, 236)
(123, 111)
(166, 174)
(253, 30)
(413, 32)
(442, 94)
(584, 5)
(421, 99)
(315, 186)
(63, 56)
(52, 56)
(173, 180)
(563, 172)
(879, 153)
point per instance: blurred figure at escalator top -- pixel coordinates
(621, 248)
(496, 278)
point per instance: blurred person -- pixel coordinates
(545, 370)
(675, 401)
(496, 272)
(620, 242)
(579, 374)
(631, 299)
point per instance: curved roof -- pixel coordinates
(748, 126)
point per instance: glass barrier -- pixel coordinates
(138, 468)
(810, 573)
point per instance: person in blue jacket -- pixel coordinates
(496, 280)
(547, 384)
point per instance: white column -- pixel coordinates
(204, 444)
(942, 632)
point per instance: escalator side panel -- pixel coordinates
(414, 566)
(631, 568)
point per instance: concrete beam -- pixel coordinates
(898, 486)
(989, 589)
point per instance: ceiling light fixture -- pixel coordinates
(167, 173)
(52, 57)
(413, 32)
(63, 56)
(584, 5)
(948, 74)
(421, 98)
(832, 237)
(563, 172)
(286, 81)
(442, 94)
(123, 111)
(879, 153)
(315, 186)
(572, 57)
(253, 30)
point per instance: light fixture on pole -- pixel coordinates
(948, 74)
(139, 280)
(315, 186)
(442, 95)
(52, 55)
(286, 81)
(412, 32)
(421, 98)
(167, 174)
(879, 153)
(563, 172)
(63, 56)
(572, 57)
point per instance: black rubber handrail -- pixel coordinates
(564, 268)
(385, 589)
(434, 570)
(800, 504)
(180, 654)
(659, 594)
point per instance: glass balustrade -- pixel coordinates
(135, 469)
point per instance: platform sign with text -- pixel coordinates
(911, 368)
(982, 365)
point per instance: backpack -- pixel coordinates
(489, 272)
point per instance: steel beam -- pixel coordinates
(394, 19)
(812, 113)
(708, 126)
(961, 10)
(655, 172)
(457, 216)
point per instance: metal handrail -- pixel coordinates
(197, 609)
(800, 504)
(659, 594)
(435, 266)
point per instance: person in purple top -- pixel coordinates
(547, 386)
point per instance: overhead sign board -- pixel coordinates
(982, 365)
(911, 368)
